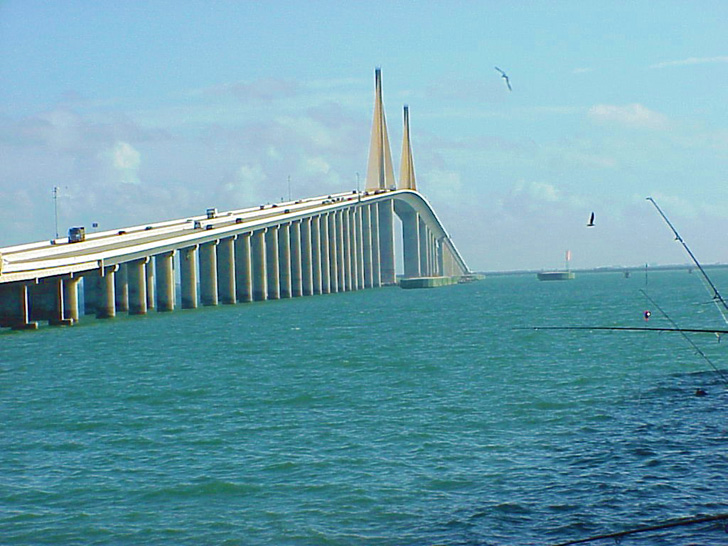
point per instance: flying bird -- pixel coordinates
(505, 77)
(591, 221)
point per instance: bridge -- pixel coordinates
(319, 245)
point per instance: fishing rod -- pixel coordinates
(706, 279)
(717, 332)
(657, 527)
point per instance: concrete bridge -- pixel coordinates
(332, 243)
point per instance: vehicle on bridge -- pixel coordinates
(76, 234)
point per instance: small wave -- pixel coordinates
(204, 488)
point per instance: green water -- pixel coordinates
(381, 417)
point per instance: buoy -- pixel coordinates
(647, 315)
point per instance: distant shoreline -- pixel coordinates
(609, 269)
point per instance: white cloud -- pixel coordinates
(630, 115)
(242, 187)
(315, 166)
(691, 61)
(537, 191)
(441, 186)
(264, 90)
(126, 160)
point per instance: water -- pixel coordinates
(382, 417)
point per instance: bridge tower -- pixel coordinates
(407, 169)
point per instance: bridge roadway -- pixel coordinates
(337, 242)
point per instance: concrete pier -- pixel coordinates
(165, 289)
(386, 243)
(121, 288)
(272, 263)
(366, 229)
(70, 299)
(243, 269)
(424, 239)
(226, 271)
(324, 254)
(296, 260)
(258, 254)
(359, 242)
(188, 276)
(151, 288)
(137, 282)
(307, 258)
(208, 273)
(333, 257)
(376, 248)
(347, 247)
(284, 260)
(106, 295)
(410, 244)
(340, 251)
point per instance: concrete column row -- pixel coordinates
(421, 248)
(343, 250)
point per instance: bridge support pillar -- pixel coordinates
(366, 236)
(359, 240)
(424, 241)
(151, 296)
(340, 251)
(121, 288)
(208, 273)
(333, 258)
(243, 273)
(307, 257)
(353, 248)
(226, 270)
(324, 258)
(376, 250)
(258, 255)
(273, 275)
(284, 260)
(439, 248)
(348, 247)
(70, 299)
(296, 260)
(386, 242)
(188, 276)
(137, 281)
(410, 244)
(14, 307)
(163, 264)
(106, 295)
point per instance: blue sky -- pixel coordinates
(142, 111)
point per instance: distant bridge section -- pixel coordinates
(333, 243)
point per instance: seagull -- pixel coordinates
(505, 77)
(591, 221)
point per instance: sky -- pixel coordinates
(145, 111)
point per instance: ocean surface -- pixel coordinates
(379, 417)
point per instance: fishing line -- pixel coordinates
(687, 338)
